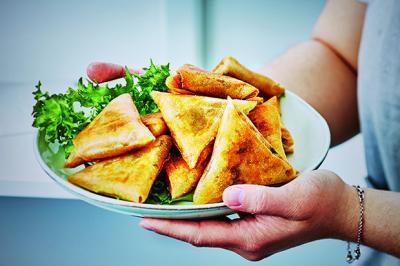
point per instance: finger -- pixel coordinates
(204, 233)
(101, 72)
(257, 199)
(195, 233)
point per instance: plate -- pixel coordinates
(308, 128)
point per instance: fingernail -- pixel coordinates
(147, 226)
(234, 196)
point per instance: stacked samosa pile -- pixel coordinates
(213, 130)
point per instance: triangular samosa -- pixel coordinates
(231, 67)
(287, 140)
(129, 176)
(241, 155)
(266, 118)
(200, 81)
(181, 178)
(73, 160)
(155, 123)
(193, 120)
(116, 130)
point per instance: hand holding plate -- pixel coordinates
(271, 219)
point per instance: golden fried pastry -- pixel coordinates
(199, 81)
(267, 120)
(73, 160)
(181, 178)
(231, 67)
(155, 123)
(129, 176)
(116, 130)
(287, 140)
(241, 155)
(193, 120)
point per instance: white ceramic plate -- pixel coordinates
(308, 128)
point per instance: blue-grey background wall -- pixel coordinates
(55, 40)
(40, 232)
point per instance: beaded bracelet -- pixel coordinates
(357, 253)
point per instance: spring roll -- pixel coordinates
(231, 67)
(199, 81)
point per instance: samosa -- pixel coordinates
(182, 179)
(193, 120)
(241, 155)
(129, 176)
(155, 123)
(73, 160)
(266, 118)
(287, 140)
(116, 130)
(199, 81)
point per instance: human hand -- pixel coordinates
(101, 72)
(272, 219)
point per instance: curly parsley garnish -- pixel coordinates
(62, 116)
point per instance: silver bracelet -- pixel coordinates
(357, 253)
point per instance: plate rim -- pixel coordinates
(82, 193)
(325, 126)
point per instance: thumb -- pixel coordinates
(257, 199)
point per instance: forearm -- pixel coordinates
(313, 71)
(381, 228)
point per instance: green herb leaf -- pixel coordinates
(62, 116)
(159, 193)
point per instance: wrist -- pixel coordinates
(347, 217)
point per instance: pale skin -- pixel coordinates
(317, 204)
